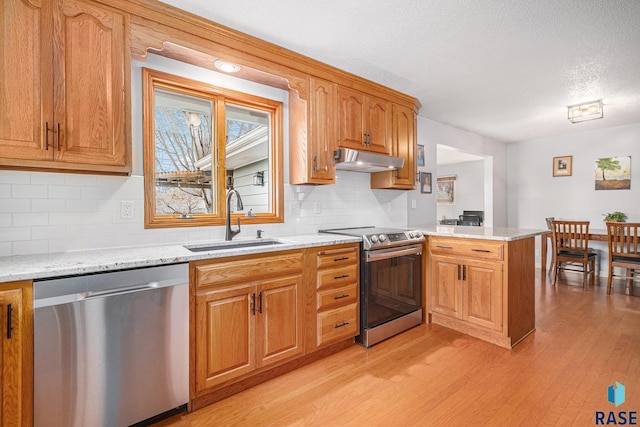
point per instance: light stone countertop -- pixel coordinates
(486, 233)
(28, 267)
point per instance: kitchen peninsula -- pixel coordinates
(481, 281)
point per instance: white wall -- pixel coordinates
(469, 188)
(431, 133)
(535, 194)
(421, 207)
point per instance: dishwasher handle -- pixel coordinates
(119, 291)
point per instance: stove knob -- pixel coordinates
(382, 238)
(374, 239)
(411, 235)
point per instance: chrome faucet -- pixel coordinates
(230, 233)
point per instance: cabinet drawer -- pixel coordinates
(337, 324)
(339, 276)
(475, 249)
(337, 297)
(335, 257)
(230, 270)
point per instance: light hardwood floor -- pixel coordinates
(432, 376)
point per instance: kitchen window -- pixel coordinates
(199, 140)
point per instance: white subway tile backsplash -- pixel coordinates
(84, 180)
(9, 234)
(65, 218)
(38, 178)
(96, 193)
(69, 212)
(49, 232)
(48, 205)
(64, 192)
(14, 177)
(81, 205)
(6, 220)
(67, 245)
(15, 205)
(30, 219)
(5, 191)
(6, 248)
(19, 191)
(30, 247)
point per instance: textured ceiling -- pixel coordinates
(504, 69)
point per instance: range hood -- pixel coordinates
(363, 161)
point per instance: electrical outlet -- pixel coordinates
(126, 209)
(413, 203)
(317, 207)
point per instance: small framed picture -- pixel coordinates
(562, 166)
(420, 155)
(425, 182)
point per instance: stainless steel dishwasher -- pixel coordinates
(111, 349)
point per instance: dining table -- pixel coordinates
(595, 235)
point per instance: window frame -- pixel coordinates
(154, 79)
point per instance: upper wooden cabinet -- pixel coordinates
(365, 121)
(64, 96)
(403, 144)
(314, 134)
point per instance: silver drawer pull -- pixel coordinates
(344, 276)
(340, 325)
(341, 296)
(443, 247)
(481, 250)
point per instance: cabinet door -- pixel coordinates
(280, 308)
(404, 144)
(323, 131)
(482, 294)
(445, 297)
(21, 118)
(11, 349)
(351, 107)
(225, 335)
(89, 85)
(377, 123)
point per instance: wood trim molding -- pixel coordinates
(152, 17)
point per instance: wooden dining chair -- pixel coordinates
(571, 250)
(549, 221)
(624, 251)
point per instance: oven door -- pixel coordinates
(392, 285)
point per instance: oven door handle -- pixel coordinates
(381, 254)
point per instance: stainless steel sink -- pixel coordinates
(218, 246)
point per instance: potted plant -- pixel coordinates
(615, 217)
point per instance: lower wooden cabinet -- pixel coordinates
(16, 354)
(468, 290)
(483, 288)
(254, 317)
(249, 318)
(336, 293)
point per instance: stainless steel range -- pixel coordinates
(390, 281)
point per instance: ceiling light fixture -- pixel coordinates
(586, 111)
(225, 66)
